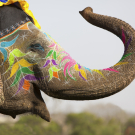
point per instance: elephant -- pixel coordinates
(31, 60)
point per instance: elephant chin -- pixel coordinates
(38, 105)
(33, 104)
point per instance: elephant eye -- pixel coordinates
(35, 47)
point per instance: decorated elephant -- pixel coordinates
(31, 60)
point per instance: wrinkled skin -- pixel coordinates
(36, 62)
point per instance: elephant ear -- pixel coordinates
(1, 91)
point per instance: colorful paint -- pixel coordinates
(57, 61)
(72, 63)
(20, 69)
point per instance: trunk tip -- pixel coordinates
(86, 10)
(85, 13)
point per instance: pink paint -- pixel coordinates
(72, 63)
(57, 48)
(52, 45)
(65, 68)
(110, 69)
(65, 58)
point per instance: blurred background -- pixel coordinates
(108, 116)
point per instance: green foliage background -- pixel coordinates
(74, 124)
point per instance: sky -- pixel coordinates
(90, 46)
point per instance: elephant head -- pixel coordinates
(31, 60)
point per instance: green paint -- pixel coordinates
(55, 55)
(26, 70)
(18, 74)
(125, 56)
(55, 69)
(69, 75)
(51, 74)
(49, 54)
(11, 61)
(18, 53)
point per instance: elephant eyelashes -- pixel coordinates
(36, 47)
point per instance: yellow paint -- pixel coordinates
(99, 72)
(25, 63)
(120, 63)
(22, 63)
(76, 67)
(83, 73)
(14, 69)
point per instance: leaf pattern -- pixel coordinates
(126, 55)
(18, 74)
(8, 43)
(50, 73)
(4, 52)
(110, 69)
(47, 63)
(18, 53)
(54, 62)
(120, 63)
(11, 60)
(76, 67)
(49, 54)
(31, 78)
(127, 45)
(25, 63)
(83, 74)
(54, 55)
(14, 69)
(26, 70)
(26, 85)
(52, 45)
(21, 83)
(99, 72)
(55, 69)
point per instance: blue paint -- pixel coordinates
(88, 69)
(37, 47)
(4, 52)
(4, 1)
(47, 36)
(9, 43)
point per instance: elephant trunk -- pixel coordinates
(87, 84)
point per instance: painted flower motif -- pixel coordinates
(68, 65)
(49, 61)
(4, 45)
(25, 82)
(53, 72)
(82, 73)
(55, 45)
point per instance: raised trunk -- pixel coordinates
(95, 84)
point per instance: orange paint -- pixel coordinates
(24, 27)
(55, 74)
(26, 85)
(17, 29)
